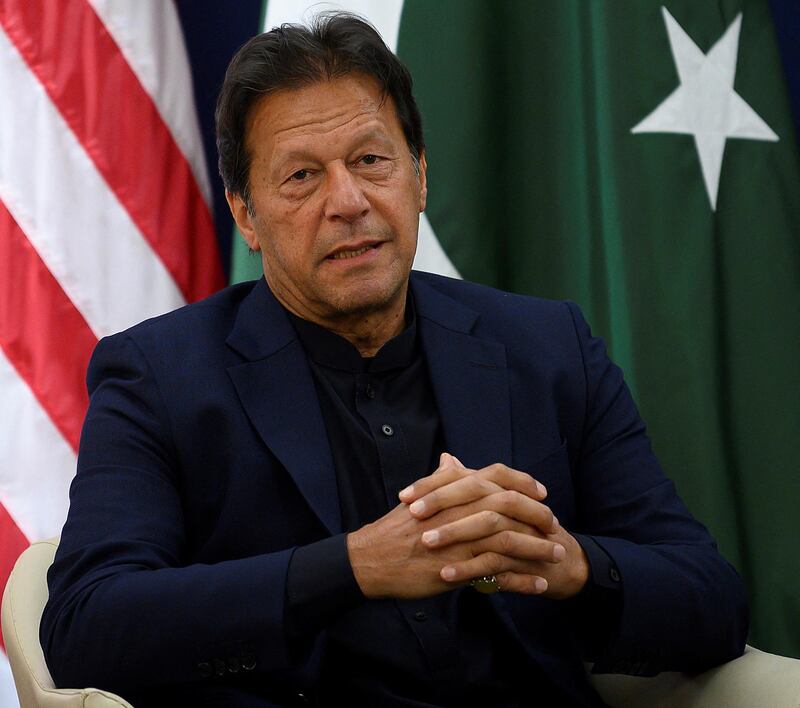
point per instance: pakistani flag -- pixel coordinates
(637, 157)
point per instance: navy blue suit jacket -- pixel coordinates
(204, 462)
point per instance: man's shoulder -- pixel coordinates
(217, 310)
(493, 304)
(194, 330)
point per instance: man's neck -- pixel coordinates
(366, 331)
(369, 333)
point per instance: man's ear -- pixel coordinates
(243, 218)
(423, 182)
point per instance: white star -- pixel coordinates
(705, 104)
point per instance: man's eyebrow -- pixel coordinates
(300, 155)
(376, 135)
(294, 155)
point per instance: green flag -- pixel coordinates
(640, 160)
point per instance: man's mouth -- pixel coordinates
(352, 253)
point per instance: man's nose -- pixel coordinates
(345, 199)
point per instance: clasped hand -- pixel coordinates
(458, 524)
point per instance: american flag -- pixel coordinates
(104, 221)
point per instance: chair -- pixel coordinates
(755, 679)
(23, 601)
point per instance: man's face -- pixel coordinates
(335, 199)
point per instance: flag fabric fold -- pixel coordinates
(104, 221)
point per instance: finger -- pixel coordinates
(489, 563)
(522, 583)
(434, 493)
(463, 490)
(472, 528)
(446, 473)
(521, 546)
(473, 494)
(509, 478)
(522, 508)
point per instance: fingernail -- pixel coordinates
(448, 573)
(430, 537)
(540, 584)
(407, 492)
(541, 489)
(417, 507)
(559, 552)
(555, 522)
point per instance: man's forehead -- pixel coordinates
(353, 101)
(316, 104)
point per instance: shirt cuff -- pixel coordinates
(603, 571)
(320, 586)
(599, 604)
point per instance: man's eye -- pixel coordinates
(370, 159)
(299, 176)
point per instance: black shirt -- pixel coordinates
(384, 431)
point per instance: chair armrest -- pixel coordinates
(23, 601)
(754, 679)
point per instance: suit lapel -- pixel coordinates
(469, 377)
(277, 391)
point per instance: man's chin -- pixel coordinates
(365, 303)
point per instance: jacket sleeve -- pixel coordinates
(684, 606)
(125, 607)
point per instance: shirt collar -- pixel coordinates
(329, 349)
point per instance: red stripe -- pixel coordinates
(12, 543)
(86, 76)
(44, 337)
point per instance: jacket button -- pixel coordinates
(420, 616)
(302, 699)
(234, 664)
(387, 430)
(614, 574)
(220, 669)
(205, 669)
(249, 661)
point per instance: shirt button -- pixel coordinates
(388, 430)
(249, 661)
(370, 391)
(614, 573)
(420, 616)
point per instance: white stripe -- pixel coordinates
(150, 37)
(430, 254)
(36, 463)
(81, 231)
(385, 15)
(8, 694)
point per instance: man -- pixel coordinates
(293, 491)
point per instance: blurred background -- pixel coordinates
(638, 157)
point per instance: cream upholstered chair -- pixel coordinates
(754, 680)
(23, 602)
